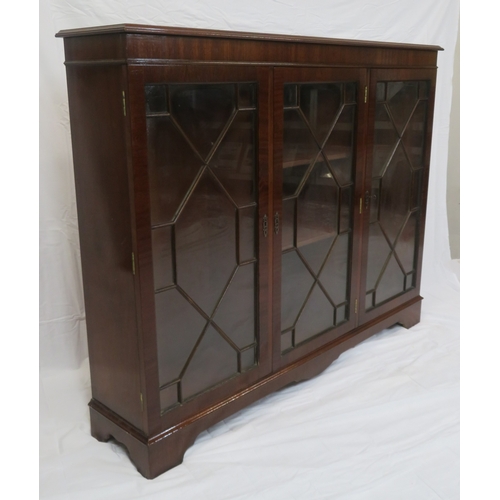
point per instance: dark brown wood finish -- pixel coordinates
(143, 45)
(125, 266)
(106, 239)
(232, 35)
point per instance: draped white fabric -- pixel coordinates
(381, 423)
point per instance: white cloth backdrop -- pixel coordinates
(381, 423)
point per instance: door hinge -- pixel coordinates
(276, 223)
(361, 205)
(142, 401)
(356, 306)
(366, 94)
(125, 103)
(133, 263)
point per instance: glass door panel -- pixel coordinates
(204, 164)
(397, 170)
(202, 171)
(317, 189)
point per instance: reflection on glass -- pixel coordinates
(395, 194)
(385, 140)
(410, 281)
(286, 341)
(317, 316)
(288, 224)
(423, 89)
(206, 244)
(380, 91)
(350, 93)
(375, 199)
(405, 247)
(214, 361)
(317, 206)
(178, 327)
(379, 251)
(234, 160)
(247, 359)
(247, 250)
(169, 397)
(202, 111)
(320, 104)
(296, 281)
(236, 313)
(334, 275)
(161, 240)
(340, 314)
(401, 100)
(370, 302)
(416, 189)
(299, 151)
(414, 138)
(247, 96)
(392, 282)
(290, 96)
(292, 177)
(156, 99)
(339, 147)
(345, 209)
(172, 168)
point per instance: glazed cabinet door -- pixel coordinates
(318, 162)
(398, 154)
(202, 260)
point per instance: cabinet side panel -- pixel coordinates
(104, 217)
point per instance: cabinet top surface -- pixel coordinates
(142, 29)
